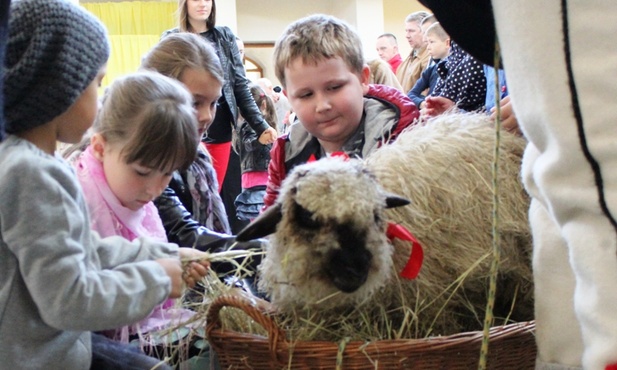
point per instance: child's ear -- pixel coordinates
(97, 142)
(364, 78)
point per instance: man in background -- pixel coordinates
(387, 48)
(410, 70)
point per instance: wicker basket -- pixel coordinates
(511, 346)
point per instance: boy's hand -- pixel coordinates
(508, 118)
(195, 270)
(268, 137)
(173, 269)
(436, 105)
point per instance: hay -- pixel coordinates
(186, 339)
(444, 167)
(448, 174)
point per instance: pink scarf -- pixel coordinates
(108, 216)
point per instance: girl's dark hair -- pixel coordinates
(265, 104)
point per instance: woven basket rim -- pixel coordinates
(261, 311)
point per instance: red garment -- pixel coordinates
(395, 61)
(408, 113)
(220, 159)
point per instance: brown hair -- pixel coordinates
(183, 19)
(179, 51)
(152, 117)
(315, 38)
(262, 99)
(381, 73)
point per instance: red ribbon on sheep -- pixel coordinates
(412, 268)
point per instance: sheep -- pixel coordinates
(329, 256)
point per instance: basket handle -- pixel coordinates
(256, 308)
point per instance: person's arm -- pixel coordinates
(244, 99)
(183, 230)
(180, 226)
(276, 172)
(508, 118)
(436, 105)
(169, 32)
(415, 94)
(249, 140)
(46, 229)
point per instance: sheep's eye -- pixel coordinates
(304, 218)
(377, 217)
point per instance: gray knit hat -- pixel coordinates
(54, 51)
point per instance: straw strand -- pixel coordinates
(488, 318)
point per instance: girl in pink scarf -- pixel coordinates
(145, 130)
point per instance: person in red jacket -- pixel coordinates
(319, 62)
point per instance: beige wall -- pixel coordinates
(265, 20)
(395, 12)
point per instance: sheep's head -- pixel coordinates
(329, 234)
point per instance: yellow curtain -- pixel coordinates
(134, 28)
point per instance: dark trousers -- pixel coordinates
(231, 187)
(108, 354)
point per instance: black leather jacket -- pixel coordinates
(235, 87)
(186, 232)
(254, 156)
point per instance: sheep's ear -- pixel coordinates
(393, 201)
(263, 225)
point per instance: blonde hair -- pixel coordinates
(315, 38)
(428, 20)
(179, 51)
(381, 73)
(183, 18)
(152, 117)
(437, 30)
(263, 100)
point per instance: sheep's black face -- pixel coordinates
(348, 267)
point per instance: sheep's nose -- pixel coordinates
(348, 270)
(348, 280)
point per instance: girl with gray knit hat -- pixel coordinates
(58, 279)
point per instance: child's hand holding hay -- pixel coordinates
(195, 265)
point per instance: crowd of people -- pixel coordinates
(439, 69)
(178, 156)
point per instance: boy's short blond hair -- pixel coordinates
(315, 38)
(437, 30)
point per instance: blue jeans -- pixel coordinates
(108, 354)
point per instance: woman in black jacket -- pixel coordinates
(199, 17)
